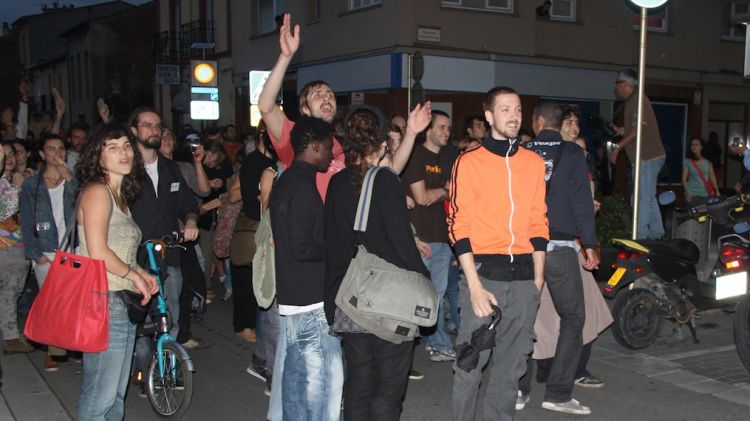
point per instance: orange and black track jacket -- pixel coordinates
(497, 201)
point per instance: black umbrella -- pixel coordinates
(481, 339)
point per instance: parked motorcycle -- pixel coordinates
(668, 279)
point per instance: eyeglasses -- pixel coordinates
(149, 126)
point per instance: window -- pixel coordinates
(361, 4)
(564, 10)
(502, 6)
(313, 9)
(735, 13)
(267, 12)
(656, 22)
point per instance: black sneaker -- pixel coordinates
(142, 389)
(589, 381)
(259, 372)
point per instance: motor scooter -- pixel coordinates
(657, 279)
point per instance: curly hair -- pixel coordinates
(363, 131)
(89, 169)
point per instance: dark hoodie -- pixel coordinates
(570, 207)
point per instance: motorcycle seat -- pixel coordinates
(679, 248)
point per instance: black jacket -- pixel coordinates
(297, 224)
(570, 207)
(388, 236)
(159, 216)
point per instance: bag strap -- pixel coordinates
(700, 173)
(365, 197)
(70, 238)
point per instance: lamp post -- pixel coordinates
(644, 5)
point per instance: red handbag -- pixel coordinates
(72, 309)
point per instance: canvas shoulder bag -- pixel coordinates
(387, 301)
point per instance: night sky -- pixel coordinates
(10, 10)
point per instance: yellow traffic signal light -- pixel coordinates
(204, 73)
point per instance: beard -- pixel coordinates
(153, 142)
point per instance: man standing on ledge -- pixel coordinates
(652, 153)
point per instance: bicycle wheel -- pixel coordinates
(170, 395)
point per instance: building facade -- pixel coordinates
(568, 53)
(44, 56)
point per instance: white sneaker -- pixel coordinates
(521, 401)
(570, 407)
(227, 295)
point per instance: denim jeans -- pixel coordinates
(438, 266)
(513, 342)
(312, 377)
(275, 411)
(268, 336)
(451, 293)
(106, 373)
(172, 289)
(650, 224)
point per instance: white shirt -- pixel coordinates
(153, 173)
(58, 210)
(290, 310)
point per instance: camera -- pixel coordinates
(193, 141)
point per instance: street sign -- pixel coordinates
(204, 103)
(167, 74)
(257, 80)
(204, 110)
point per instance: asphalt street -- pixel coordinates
(673, 380)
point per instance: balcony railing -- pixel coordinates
(173, 47)
(201, 31)
(165, 50)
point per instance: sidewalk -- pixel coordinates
(25, 396)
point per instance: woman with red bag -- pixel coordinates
(698, 178)
(109, 171)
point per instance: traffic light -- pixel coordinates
(204, 91)
(204, 72)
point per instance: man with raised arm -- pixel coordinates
(316, 99)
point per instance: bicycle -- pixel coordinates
(169, 377)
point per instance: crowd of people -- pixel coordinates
(494, 216)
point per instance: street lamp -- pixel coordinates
(644, 5)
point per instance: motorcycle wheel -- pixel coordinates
(742, 330)
(637, 319)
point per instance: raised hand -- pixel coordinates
(59, 102)
(288, 38)
(103, 110)
(199, 154)
(419, 118)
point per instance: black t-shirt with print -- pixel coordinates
(429, 221)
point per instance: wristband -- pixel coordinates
(127, 273)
